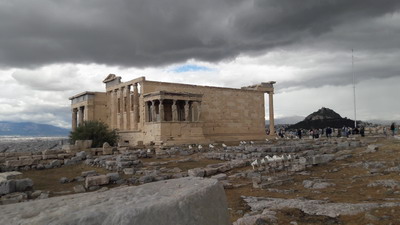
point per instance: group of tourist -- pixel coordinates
(318, 133)
(330, 132)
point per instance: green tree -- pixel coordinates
(96, 131)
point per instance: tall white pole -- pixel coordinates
(354, 88)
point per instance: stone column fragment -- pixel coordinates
(74, 118)
(271, 114)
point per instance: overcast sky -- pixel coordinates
(51, 50)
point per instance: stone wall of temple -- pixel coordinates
(100, 107)
(226, 113)
(89, 106)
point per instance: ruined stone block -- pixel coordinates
(210, 171)
(196, 172)
(96, 180)
(48, 156)
(37, 157)
(11, 175)
(6, 186)
(113, 176)
(69, 148)
(129, 171)
(224, 168)
(24, 157)
(89, 173)
(107, 151)
(63, 156)
(238, 163)
(221, 176)
(83, 144)
(22, 185)
(18, 163)
(79, 188)
(50, 152)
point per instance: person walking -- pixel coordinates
(362, 132)
(392, 128)
(299, 133)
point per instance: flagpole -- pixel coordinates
(354, 88)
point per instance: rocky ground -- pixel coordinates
(31, 144)
(336, 181)
(361, 186)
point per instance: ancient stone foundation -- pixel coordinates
(183, 201)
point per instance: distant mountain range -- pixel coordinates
(30, 129)
(384, 122)
(287, 120)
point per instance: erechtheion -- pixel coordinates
(160, 113)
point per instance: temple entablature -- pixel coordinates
(266, 87)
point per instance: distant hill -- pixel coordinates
(323, 118)
(31, 129)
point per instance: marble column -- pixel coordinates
(80, 115)
(198, 111)
(112, 109)
(161, 110)
(147, 112)
(187, 111)
(118, 108)
(271, 114)
(74, 118)
(135, 107)
(174, 111)
(194, 110)
(127, 113)
(152, 111)
(122, 119)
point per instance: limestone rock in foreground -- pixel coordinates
(313, 207)
(189, 200)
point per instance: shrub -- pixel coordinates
(96, 131)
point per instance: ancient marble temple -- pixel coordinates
(160, 113)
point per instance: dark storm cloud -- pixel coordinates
(152, 32)
(343, 76)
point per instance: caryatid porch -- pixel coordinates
(165, 106)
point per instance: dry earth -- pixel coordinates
(356, 177)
